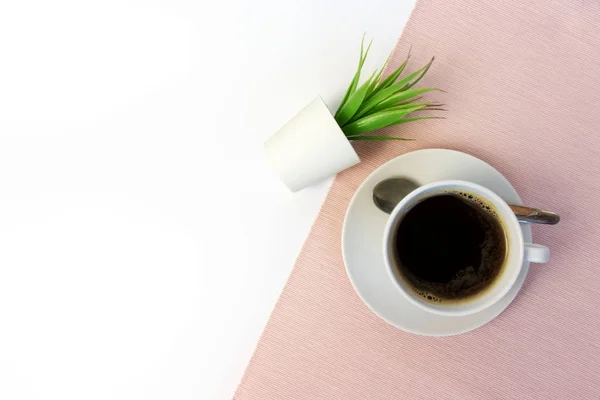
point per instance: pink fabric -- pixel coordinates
(523, 90)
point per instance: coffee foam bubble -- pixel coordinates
(475, 200)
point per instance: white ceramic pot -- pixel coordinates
(309, 148)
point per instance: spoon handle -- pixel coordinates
(535, 216)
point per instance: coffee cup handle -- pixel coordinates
(536, 253)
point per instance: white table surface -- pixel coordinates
(143, 240)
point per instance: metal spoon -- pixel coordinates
(390, 192)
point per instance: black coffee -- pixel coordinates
(450, 246)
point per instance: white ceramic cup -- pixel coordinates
(518, 251)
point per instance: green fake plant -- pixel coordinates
(380, 103)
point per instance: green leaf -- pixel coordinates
(422, 106)
(373, 79)
(375, 87)
(353, 103)
(352, 86)
(409, 101)
(378, 120)
(399, 98)
(392, 77)
(376, 138)
(354, 136)
(378, 78)
(356, 79)
(387, 92)
(420, 76)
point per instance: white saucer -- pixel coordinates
(362, 239)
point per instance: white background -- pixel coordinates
(143, 240)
